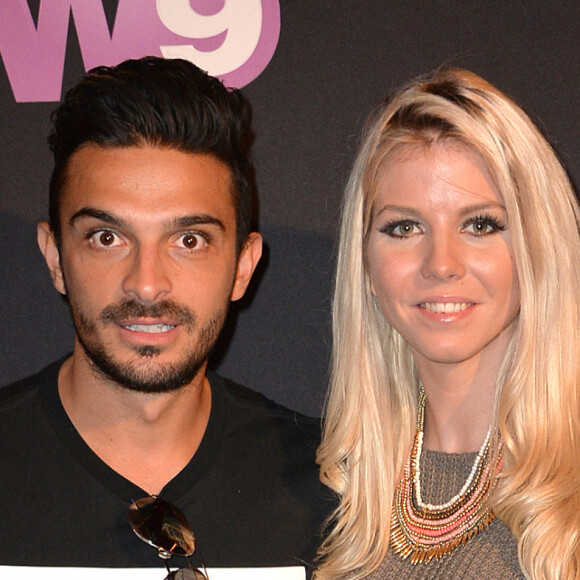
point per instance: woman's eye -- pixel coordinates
(193, 241)
(483, 226)
(401, 229)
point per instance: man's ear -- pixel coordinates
(247, 262)
(49, 249)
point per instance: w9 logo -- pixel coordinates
(231, 39)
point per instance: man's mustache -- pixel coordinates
(166, 309)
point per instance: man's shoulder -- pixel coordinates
(253, 401)
(21, 390)
(252, 406)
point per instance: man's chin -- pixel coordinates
(144, 374)
(148, 352)
(159, 380)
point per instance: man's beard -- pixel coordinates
(138, 375)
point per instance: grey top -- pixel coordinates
(492, 553)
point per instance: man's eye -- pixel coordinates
(193, 241)
(104, 239)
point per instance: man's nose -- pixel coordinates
(146, 279)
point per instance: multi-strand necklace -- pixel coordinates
(423, 531)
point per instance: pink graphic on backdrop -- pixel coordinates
(232, 39)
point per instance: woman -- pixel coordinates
(452, 435)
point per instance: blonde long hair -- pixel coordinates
(371, 407)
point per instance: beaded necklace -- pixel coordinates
(425, 531)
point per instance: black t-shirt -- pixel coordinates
(251, 492)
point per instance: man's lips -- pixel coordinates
(148, 332)
(149, 328)
(152, 319)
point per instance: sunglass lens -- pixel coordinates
(187, 574)
(163, 526)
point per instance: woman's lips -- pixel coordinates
(445, 307)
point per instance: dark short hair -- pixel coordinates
(161, 102)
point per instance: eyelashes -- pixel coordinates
(484, 225)
(480, 225)
(398, 228)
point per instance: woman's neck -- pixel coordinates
(459, 410)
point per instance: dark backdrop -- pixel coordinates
(334, 60)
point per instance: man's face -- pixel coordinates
(148, 261)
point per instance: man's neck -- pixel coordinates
(146, 438)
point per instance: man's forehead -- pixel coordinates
(147, 178)
(81, 159)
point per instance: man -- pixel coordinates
(149, 239)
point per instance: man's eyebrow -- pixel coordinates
(101, 215)
(195, 220)
(181, 222)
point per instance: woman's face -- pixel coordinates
(440, 256)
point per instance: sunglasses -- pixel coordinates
(163, 526)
